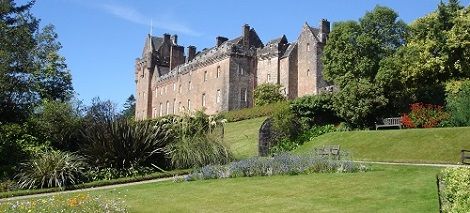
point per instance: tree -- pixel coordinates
(437, 50)
(267, 94)
(129, 108)
(352, 59)
(30, 67)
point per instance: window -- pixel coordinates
(161, 109)
(218, 71)
(189, 85)
(189, 104)
(243, 95)
(161, 91)
(179, 88)
(179, 106)
(167, 111)
(308, 46)
(308, 72)
(174, 106)
(218, 96)
(268, 78)
(269, 61)
(174, 86)
(156, 92)
(154, 114)
(205, 75)
(203, 99)
(242, 71)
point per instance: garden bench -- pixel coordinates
(465, 156)
(328, 150)
(389, 122)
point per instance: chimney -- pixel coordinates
(220, 40)
(246, 35)
(191, 52)
(324, 30)
(174, 39)
(166, 38)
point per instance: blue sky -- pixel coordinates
(102, 38)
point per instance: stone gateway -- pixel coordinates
(223, 77)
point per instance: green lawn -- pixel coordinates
(438, 145)
(242, 136)
(385, 189)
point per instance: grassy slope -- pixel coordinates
(385, 189)
(242, 136)
(439, 145)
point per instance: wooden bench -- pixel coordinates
(389, 122)
(465, 154)
(328, 151)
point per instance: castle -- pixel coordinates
(223, 77)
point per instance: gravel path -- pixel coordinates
(90, 189)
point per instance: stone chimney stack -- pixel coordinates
(220, 40)
(191, 52)
(324, 30)
(246, 35)
(166, 38)
(174, 39)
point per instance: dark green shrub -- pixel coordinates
(16, 145)
(315, 109)
(125, 145)
(286, 127)
(51, 169)
(458, 102)
(56, 122)
(267, 94)
(249, 113)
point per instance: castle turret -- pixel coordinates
(191, 52)
(324, 30)
(246, 35)
(220, 40)
(174, 39)
(166, 38)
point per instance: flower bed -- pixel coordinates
(282, 164)
(75, 203)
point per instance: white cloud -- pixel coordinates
(130, 14)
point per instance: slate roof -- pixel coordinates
(289, 49)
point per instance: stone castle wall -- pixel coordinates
(224, 77)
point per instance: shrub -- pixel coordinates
(197, 143)
(315, 109)
(51, 169)
(424, 116)
(267, 94)
(249, 113)
(456, 193)
(60, 203)
(56, 122)
(125, 145)
(16, 145)
(458, 100)
(282, 164)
